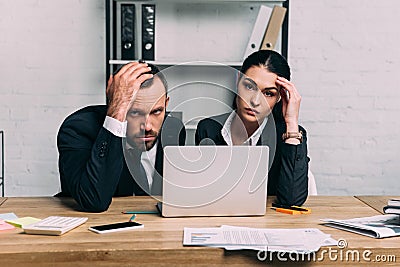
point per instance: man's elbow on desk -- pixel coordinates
(92, 205)
(94, 208)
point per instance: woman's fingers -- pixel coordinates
(289, 88)
(291, 100)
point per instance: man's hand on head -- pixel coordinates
(122, 88)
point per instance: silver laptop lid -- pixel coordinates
(214, 180)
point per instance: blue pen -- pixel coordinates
(132, 218)
(140, 212)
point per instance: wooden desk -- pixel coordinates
(376, 202)
(2, 200)
(160, 241)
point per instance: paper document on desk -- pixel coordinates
(275, 240)
(300, 240)
(8, 216)
(379, 226)
(223, 236)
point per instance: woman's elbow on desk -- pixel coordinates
(297, 198)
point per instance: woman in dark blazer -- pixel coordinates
(265, 112)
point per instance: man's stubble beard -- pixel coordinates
(145, 146)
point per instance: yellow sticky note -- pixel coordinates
(20, 222)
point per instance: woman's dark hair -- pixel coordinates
(273, 62)
(269, 59)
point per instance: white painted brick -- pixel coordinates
(346, 51)
(324, 167)
(25, 185)
(53, 54)
(4, 114)
(387, 103)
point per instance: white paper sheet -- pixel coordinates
(303, 240)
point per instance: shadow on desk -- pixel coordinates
(68, 202)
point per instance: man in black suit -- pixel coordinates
(100, 147)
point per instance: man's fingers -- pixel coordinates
(142, 78)
(131, 74)
(137, 83)
(137, 72)
(131, 68)
(126, 67)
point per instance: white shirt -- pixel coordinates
(148, 158)
(148, 161)
(251, 141)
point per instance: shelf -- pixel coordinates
(190, 33)
(204, 1)
(190, 127)
(172, 63)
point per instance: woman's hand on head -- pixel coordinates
(290, 103)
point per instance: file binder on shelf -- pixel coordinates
(259, 29)
(128, 23)
(148, 31)
(273, 28)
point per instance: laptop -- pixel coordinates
(214, 181)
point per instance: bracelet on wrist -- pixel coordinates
(296, 135)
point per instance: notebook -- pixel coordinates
(214, 181)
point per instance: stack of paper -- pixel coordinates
(392, 207)
(379, 226)
(10, 219)
(304, 240)
(6, 216)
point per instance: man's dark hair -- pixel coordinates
(155, 71)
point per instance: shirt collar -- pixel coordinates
(251, 141)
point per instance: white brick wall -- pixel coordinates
(345, 61)
(52, 55)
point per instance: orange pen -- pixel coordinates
(288, 211)
(293, 210)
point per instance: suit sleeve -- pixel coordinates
(292, 188)
(90, 163)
